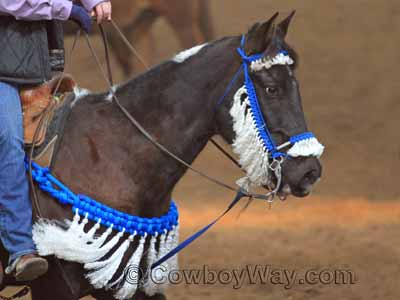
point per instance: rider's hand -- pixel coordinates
(81, 16)
(102, 12)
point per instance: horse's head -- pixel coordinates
(268, 129)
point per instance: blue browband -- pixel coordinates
(98, 212)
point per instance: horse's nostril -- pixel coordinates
(301, 174)
(305, 193)
(311, 176)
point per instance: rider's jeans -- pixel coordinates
(15, 204)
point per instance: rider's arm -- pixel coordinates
(37, 9)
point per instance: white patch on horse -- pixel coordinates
(184, 55)
(109, 96)
(79, 94)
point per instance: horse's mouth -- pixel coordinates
(285, 190)
(297, 186)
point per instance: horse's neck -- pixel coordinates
(105, 157)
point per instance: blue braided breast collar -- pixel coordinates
(98, 252)
(98, 212)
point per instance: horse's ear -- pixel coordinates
(257, 36)
(283, 26)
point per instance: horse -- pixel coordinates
(179, 103)
(189, 19)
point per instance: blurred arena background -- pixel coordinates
(349, 53)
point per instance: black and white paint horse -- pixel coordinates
(106, 158)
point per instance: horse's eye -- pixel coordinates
(272, 91)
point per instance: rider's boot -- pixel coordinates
(28, 267)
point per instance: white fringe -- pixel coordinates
(129, 287)
(161, 271)
(253, 156)
(117, 282)
(74, 244)
(103, 271)
(149, 286)
(308, 147)
(266, 63)
(172, 263)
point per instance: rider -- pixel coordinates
(31, 48)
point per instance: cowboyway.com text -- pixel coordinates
(253, 274)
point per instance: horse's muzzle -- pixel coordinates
(299, 175)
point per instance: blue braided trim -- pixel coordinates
(256, 113)
(284, 52)
(300, 137)
(98, 212)
(250, 58)
(262, 129)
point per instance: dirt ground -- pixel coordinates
(297, 235)
(349, 83)
(349, 52)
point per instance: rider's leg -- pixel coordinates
(15, 205)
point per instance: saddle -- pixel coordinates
(44, 115)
